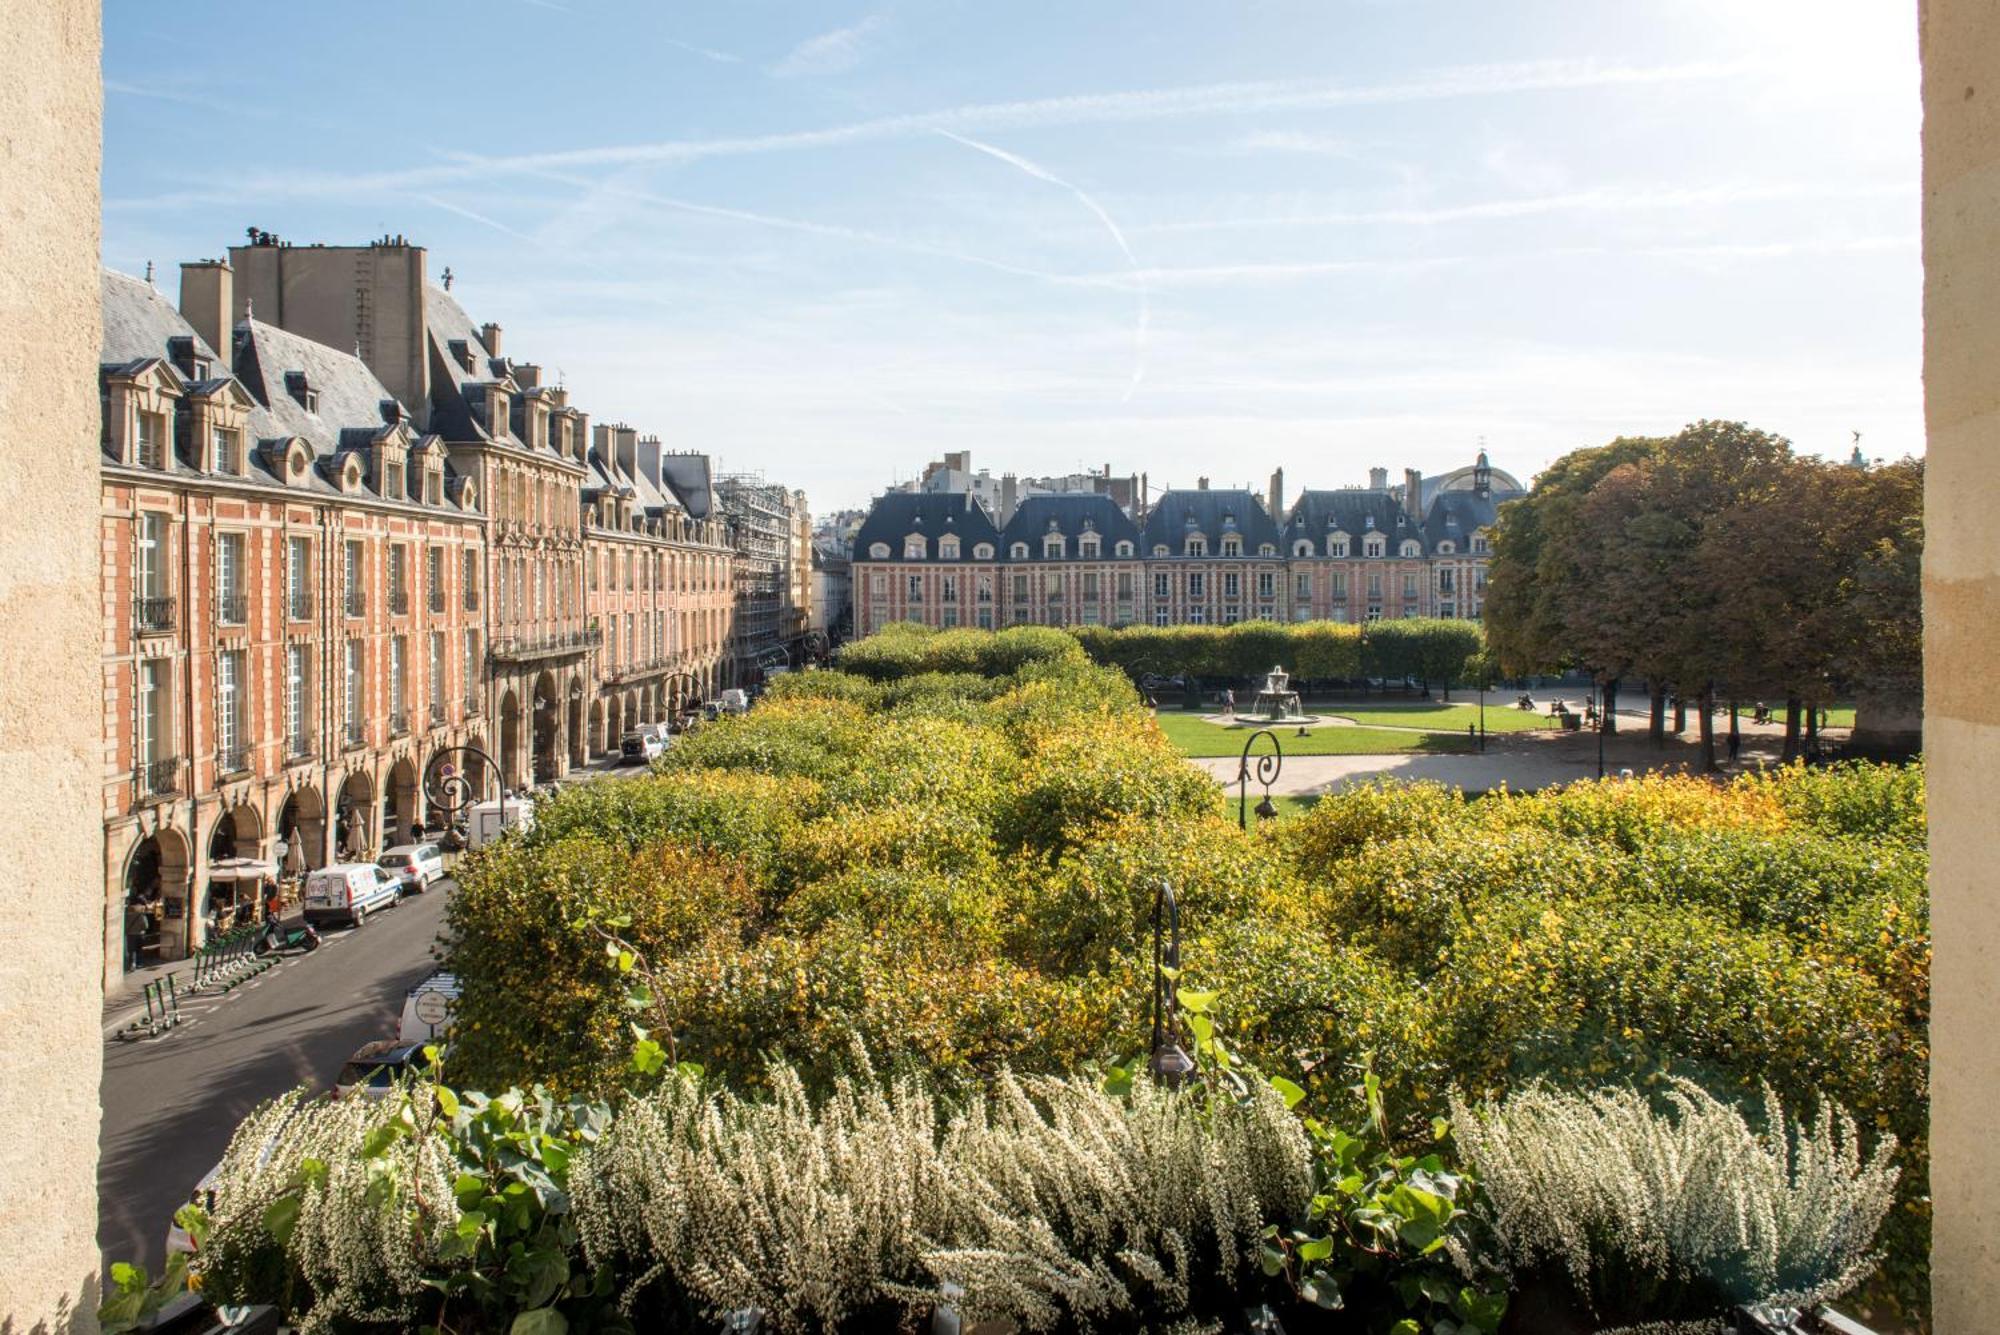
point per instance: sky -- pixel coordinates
(831, 241)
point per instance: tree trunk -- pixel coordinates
(1706, 705)
(1680, 714)
(1608, 702)
(1791, 751)
(1656, 726)
(1812, 730)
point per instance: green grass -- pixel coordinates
(1196, 738)
(1454, 717)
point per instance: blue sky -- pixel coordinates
(833, 240)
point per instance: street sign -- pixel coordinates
(433, 1008)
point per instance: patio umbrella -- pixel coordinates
(295, 856)
(355, 840)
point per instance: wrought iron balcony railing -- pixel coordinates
(399, 724)
(159, 778)
(153, 614)
(437, 600)
(437, 713)
(232, 609)
(299, 607)
(352, 735)
(399, 602)
(232, 759)
(357, 603)
(472, 600)
(298, 747)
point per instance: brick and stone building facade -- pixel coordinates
(287, 635)
(1194, 557)
(322, 567)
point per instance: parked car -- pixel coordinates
(428, 1009)
(348, 892)
(414, 866)
(375, 1068)
(203, 1195)
(733, 701)
(642, 746)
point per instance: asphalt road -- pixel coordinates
(171, 1103)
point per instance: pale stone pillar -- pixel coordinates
(52, 930)
(1961, 50)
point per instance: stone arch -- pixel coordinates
(156, 882)
(510, 742)
(598, 741)
(238, 832)
(547, 728)
(355, 834)
(579, 740)
(405, 800)
(302, 821)
(614, 721)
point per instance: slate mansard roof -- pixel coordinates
(1214, 515)
(899, 515)
(354, 408)
(1456, 515)
(1350, 510)
(1071, 515)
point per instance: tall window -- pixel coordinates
(150, 431)
(229, 710)
(298, 666)
(631, 641)
(504, 585)
(152, 572)
(1265, 582)
(398, 682)
(1231, 584)
(298, 578)
(435, 676)
(1160, 585)
(153, 740)
(916, 588)
(469, 578)
(1197, 585)
(470, 671)
(232, 607)
(434, 577)
(350, 704)
(228, 451)
(399, 578)
(357, 596)
(1409, 586)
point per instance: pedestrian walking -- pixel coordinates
(136, 922)
(1229, 703)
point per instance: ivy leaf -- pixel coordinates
(1197, 1002)
(280, 1217)
(1316, 1250)
(447, 1101)
(626, 959)
(540, 1321)
(1291, 1092)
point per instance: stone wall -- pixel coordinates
(1961, 49)
(51, 713)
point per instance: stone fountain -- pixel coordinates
(1276, 702)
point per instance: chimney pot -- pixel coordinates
(207, 303)
(489, 334)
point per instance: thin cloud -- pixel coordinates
(1575, 201)
(1294, 141)
(549, 4)
(1040, 173)
(1083, 109)
(829, 53)
(477, 217)
(706, 53)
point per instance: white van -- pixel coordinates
(486, 821)
(348, 892)
(734, 701)
(428, 1009)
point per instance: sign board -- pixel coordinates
(433, 1008)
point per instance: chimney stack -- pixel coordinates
(1278, 495)
(1413, 495)
(206, 296)
(1010, 489)
(1378, 479)
(489, 334)
(1201, 484)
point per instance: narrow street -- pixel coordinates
(171, 1103)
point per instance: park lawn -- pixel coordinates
(1453, 717)
(1197, 738)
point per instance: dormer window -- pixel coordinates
(1266, 549)
(983, 552)
(462, 353)
(1373, 547)
(1410, 548)
(1124, 549)
(1052, 547)
(1302, 548)
(913, 547)
(1019, 551)
(1368, 521)
(228, 445)
(1196, 546)
(1479, 544)
(1087, 548)
(878, 551)
(301, 390)
(1160, 549)
(1336, 546)
(948, 548)
(149, 438)
(1446, 548)
(1232, 546)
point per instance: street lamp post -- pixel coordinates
(446, 788)
(1268, 766)
(1169, 1061)
(1600, 729)
(674, 679)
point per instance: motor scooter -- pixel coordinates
(301, 936)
